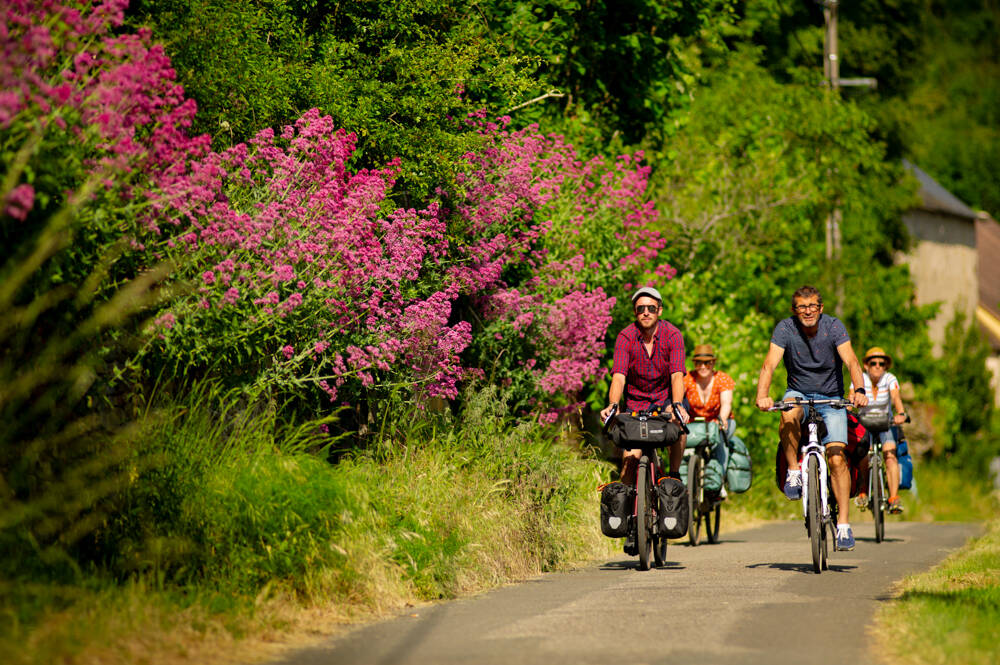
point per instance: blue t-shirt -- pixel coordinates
(812, 363)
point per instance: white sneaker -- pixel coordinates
(793, 485)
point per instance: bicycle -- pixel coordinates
(645, 524)
(877, 501)
(702, 505)
(819, 511)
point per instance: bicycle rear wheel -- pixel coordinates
(815, 514)
(643, 513)
(695, 492)
(878, 497)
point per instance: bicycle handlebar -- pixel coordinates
(653, 408)
(789, 404)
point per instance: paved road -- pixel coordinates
(753, 598)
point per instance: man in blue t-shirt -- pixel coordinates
(814, 348)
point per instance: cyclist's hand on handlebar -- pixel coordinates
(685, 418)
(607, 411)
(764, 403)
(859, 399)
(899, 419)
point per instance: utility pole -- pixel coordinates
(831, 70)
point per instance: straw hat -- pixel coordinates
(703, 351)
(878, 352)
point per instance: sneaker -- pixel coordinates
(845, 538)
(793, 485)
(861, 501)
(895, 506)
(723, 494)
(631, 547)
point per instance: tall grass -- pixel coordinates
(241, 510)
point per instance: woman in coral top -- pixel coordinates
(709, 392)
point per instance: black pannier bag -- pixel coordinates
(617, 502)
(632, 432)
(673, 513)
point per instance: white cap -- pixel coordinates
(647, 291)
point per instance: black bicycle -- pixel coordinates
(878, 502)
(703, 505)
(645, 524)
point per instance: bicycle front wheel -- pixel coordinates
(814, 512)
(878, 497)
(695, 491)
(643, 513)
(712, 523)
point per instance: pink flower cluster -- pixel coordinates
(299, 269)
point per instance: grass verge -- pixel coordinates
(950, 614)
(239, 541)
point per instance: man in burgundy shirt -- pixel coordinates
(649, 368)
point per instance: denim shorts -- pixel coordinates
(835, 419)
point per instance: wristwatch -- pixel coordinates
(860, 390)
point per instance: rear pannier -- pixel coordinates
(617, 502)
(673, 513)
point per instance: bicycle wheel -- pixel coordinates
(712, 524)
(878, 497)
(695, 491)
(659, 550)
(828, 535)
(815, 514)
(643, 515)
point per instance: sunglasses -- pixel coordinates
(706, 363)
(652, 309)
(812, 307)
(877, 363)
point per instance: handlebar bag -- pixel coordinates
(700, 432)
(641, 431)
(617, 501)
(673, 508)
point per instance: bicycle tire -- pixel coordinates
(712, 524)
(878, 497)
(828, 535)
(642, 513)
(659, 550)
(695, 491)
(815, 513)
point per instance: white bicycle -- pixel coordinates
(819, 511)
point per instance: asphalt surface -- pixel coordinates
(752, 598)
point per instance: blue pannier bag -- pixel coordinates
(905, 465)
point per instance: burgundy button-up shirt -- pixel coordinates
(647, 376)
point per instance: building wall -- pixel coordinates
(944, 266)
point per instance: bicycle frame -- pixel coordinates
(813, 448)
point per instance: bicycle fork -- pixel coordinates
(813, 449)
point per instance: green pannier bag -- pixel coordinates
(699, 432)
(714, 474)
(739, 473)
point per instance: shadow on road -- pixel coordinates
(705, 543)
(800, 567)
(872, 539)
(634, 565)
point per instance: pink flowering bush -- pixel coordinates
(293, 271)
